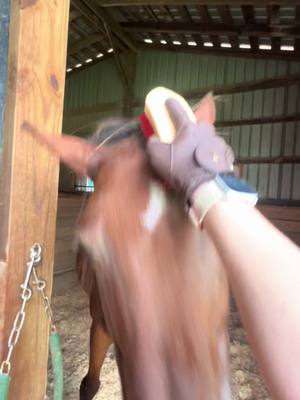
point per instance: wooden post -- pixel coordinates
(29, 178)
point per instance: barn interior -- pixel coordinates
(246, 53)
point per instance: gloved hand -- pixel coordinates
(196, 156)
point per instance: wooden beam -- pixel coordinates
(253, 29)
(244, 86)
(248, 14)
(77, 29)
(73, 15)
(129, 64)
(184, 12)
(126, 83)
(274, 19)
(279, 202)
(269, 160)
(297, 18)
(120, 67)
(36, 71)
(113, 25)
(83, 43)
(206, 21)
(4, 193)
(85, 65)
(104, 107)
(217, 51)
(273, 11)
(259, 121)
(128, 3)
(4, 35)
(196, 94)
(226, 16)
(95, 21)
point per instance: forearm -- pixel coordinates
(264, 271)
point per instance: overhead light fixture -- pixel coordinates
(88, 60)
(227, 45)
(99, 55)
(265, 47)
(110, 50)
(148, 40)
(208, 44)
(192, 43)
(78, 65)
(244, 46)
(176, 42)
(69, 69)
(163, 42)
(287, 48)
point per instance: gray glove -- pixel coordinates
(196, 156)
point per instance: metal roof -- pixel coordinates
(99, 28)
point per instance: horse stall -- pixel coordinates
(246, 53)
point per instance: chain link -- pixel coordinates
(35, 258)
(41, 286)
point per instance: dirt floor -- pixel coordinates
(73, 321)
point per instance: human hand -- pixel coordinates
(196, 156)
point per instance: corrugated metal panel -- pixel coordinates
(93, 86)
(183, 72)
(77, 122)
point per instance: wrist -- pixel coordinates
(202, 200)
(223, 187)
(197, 180)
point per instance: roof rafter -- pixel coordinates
(122, 3)
(114, 26)
(297, 17)
(253, 29)
(226, 16)
(246, 53)
(248, 14)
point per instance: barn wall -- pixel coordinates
(100, 87)
(96, 93)
(99, 84)
(287, 219)
(184, 72)
(68, 208)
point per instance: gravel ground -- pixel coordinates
(72, 319)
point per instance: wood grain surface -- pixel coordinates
(36, 77)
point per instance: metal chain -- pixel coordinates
(41, 286)
(35, 258)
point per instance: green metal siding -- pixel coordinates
(99, 84)
(95, 85)
(183, 72)
(72, 123)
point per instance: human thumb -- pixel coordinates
(160, 157)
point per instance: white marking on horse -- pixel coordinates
(156, 207)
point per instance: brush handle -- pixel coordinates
(158, 115)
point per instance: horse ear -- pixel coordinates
(73, 151)
(205, 110)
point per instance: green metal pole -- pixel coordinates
(57, 366)
(4, 386)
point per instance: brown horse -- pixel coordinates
(157, 288)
